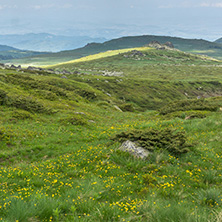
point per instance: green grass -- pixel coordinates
(58, 161)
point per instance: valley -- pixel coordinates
(62, 125)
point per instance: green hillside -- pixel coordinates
(60, 137)
(197, 46)
(148, 63)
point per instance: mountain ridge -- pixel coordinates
(196, 46)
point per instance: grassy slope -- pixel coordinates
(188, 45)
(150, 77)
(62, 128)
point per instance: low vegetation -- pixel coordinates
(59, 162)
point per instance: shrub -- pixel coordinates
(188, 114)
(152, 139)
(103, 104)
(28, 104)
(90, 95)
(74, 120)
(3, 95)
(185, 105)
(47, 95)
(128, 107)
(22, 114)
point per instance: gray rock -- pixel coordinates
(117, 108)
(134, 149)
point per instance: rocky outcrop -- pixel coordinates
(134, 149)
(158, 45)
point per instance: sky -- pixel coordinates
(113, 18)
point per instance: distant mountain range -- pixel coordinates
(47, 42)
(10, 53)
(198, 46)
(4, 48)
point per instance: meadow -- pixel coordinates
(59, 160)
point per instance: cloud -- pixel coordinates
(8, 7)
(39, 7)
(190, 4)
(211, 5)
(51, 6)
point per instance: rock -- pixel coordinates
(169, 44)
(117, 108)
(157, 45)
(134, 149)
(13, 67)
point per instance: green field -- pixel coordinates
(60, 138)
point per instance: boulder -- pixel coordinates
(134, 149)
(169, 44)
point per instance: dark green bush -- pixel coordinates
(185, 105)
(74, 120)
(28, 104)
(47, 95)
(90, 95)
(188, 114)
(128, 107)
(103, 104)
(22, 115)
(152, 139)
(3, 95)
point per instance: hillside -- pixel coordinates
(147, 62)
(187, 45)
(60, 136)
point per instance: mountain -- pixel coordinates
(4, 48)
(198, 46)
(47, 42)
(218, 41)
(10, 53)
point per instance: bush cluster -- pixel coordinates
(3, 95)
(127, 107)
(22, 115)
(168, 139)
(74, 120)
(28, 104)
(185, 105)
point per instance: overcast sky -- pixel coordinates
(113, 18)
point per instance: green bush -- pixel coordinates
(152, 139)
(28, 104)
(74, 120)
(90, 95)
(22, 115)
(47, 95)
(103, 104)
(185, 105)
(3, 95)
(128, 107)
(196, 114)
